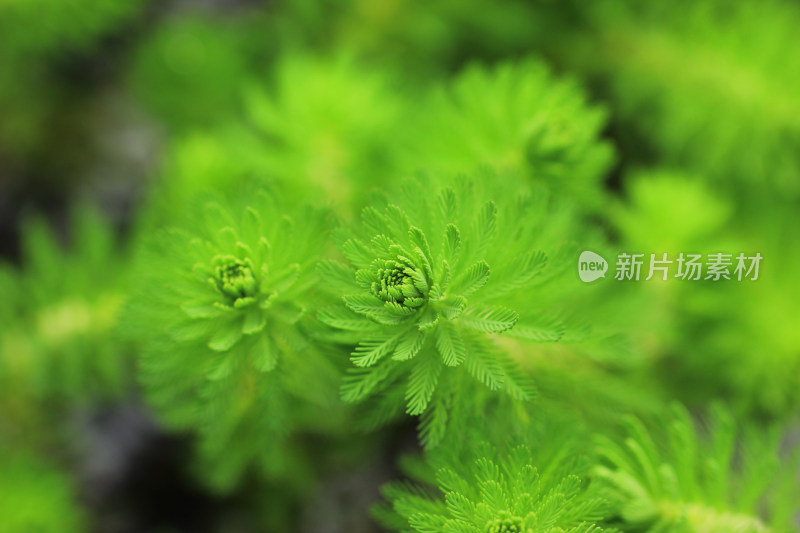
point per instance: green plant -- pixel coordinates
(532, 480)
(515, 116)
(726, 338)
(344, 256)
(703, 60)
(431, 273)
(320, 121)
(672, 479)
(223, 302)
(61, 309)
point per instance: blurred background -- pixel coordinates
(671, 126)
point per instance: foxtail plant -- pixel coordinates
(61, 307)
(429, 274)
(510, 475)
(515, 117)
(222, 302)
(672, 480)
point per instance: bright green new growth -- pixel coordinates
(222, 305)
(249, 271)
(494, 492)
(423, 295)
(672, 480)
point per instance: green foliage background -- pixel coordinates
(326, 244)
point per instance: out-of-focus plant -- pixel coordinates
(670, 479)
(222, 305)
(726, 338)
(322, 123)
(57, 342)
(190, 71)
(46, 26)
(314, 129)
(708, 85)
(36, 497)
(424, 39)
(515, 116)
(34, 36)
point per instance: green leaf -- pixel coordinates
(382, 409)
(448, 204)
(189, 330)
(396, 219)
(436, 293)
(396, 310)
(357, 253)
(366, 277)
(381, 244)
(288, 312)
(482, 363)
(227, 239)
(215, 217)
(222, 368)
(283, 280)
(516, 382)
(493, 494)
(201, 309)
(476, 277)
(429, 523)
(433, 423)
(452, 243)
(337, 277)
(343, 318)
(544, 329)
(364, 304)
(420, 282)
(265, 354)
(419, 241)
(360, 382)
(518, 272)
(422, 383)
(254, 320)
(391, 314)
(452, 307)
(251, 225)
(228, 334)
(489, 319)
(369, 352)
(409, 345)
(450, 344)
(374, 222)
(460, 506)
(485, 226)
(428, 320)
